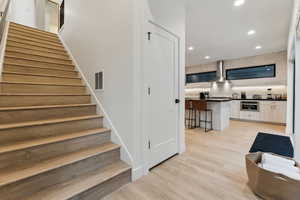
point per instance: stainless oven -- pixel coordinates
(250, 106)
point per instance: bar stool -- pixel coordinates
(201, 106)
(188, 114)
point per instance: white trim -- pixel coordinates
(125, 154)
(137, 173)
(293, 29)
(3, 47)
(61, 29)
(294, 25)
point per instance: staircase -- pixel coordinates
(53, 145)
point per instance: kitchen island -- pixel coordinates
(221, 113)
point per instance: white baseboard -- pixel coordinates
(137, 173)
(115, 136)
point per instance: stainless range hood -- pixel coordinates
(221, 74)
(221, 87)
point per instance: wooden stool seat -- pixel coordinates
(201, 106)
(189, 114)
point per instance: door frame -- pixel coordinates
(145, 136)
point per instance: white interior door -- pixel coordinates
(161, 87)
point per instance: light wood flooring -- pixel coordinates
(212, 168)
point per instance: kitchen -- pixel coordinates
(256, 87)
(239, 89)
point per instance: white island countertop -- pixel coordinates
(221, 112)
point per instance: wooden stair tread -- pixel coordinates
(43, 107)
(14, 40)
(36, 54)
(22, 49)
(8, 176)
(48, 121)
(41, 83)
(31, 28)
(20, 45)
(13, 30)
(41, 94)
(35, 83)
(36, 60)
(49, 140)
(27, 65)
(43, 75)
(37, 34)
(32, 39)
(81, 184)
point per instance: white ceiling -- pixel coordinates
(218, 29)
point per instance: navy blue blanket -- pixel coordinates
(280, 145)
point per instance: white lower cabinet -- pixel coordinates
(249, 115)
(273, 111)
(270, 111)
(235, 109)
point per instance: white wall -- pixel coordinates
(23, 12)
(108, 35)
(3, 3)
(100, 36)
(51, 17)
(40, 9)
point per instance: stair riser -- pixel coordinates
(14, 101)
(38, 58)
(105, 188)
(38, 53)
(18, 116)
(39, 71)
(36, 48)
(36, 132)
(38, 89)
(39, 79)
(44, 152)
(21, 189)
(29, 43)
(22, 62)
(33, 35)
(20, 27)
(32, 39)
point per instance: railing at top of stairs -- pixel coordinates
(4, 7)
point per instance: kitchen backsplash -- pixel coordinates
(228, 92)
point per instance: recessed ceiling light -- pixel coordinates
(207, 57)
(251, 32)
(258, 47)
(238, 2)
(191, 48)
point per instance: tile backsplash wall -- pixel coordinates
(250, 91)
(263, 91)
